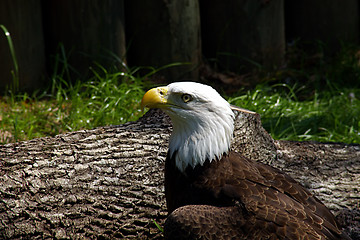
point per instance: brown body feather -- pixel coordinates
(236, 198)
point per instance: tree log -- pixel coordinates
(108, 182)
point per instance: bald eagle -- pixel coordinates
(213, 192)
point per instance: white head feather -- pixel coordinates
(202, 127)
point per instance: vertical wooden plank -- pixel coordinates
(240, 33)
(163, 32)
(90, 31)
(23, 20)
(330, 21)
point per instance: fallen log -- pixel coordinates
(108, 182)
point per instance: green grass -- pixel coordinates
(330, 115)
(105, 99)
(315, 98)
(15, 72)
(320, 100)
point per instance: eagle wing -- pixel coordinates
(247, 200)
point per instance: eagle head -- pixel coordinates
(203, 122)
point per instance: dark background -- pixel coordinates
(232, 36)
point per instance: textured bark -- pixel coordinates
(108, 182)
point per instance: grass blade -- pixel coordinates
(15, 73)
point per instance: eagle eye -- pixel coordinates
(186, 97)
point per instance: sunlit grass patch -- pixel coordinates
(105, 99)
(329, 115)
(316, 103)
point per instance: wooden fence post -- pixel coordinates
(165, 32)
(329, 21)
(90, 31)
(241, 34)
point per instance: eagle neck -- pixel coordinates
(194, 141)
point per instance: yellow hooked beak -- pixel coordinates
(155, 98)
